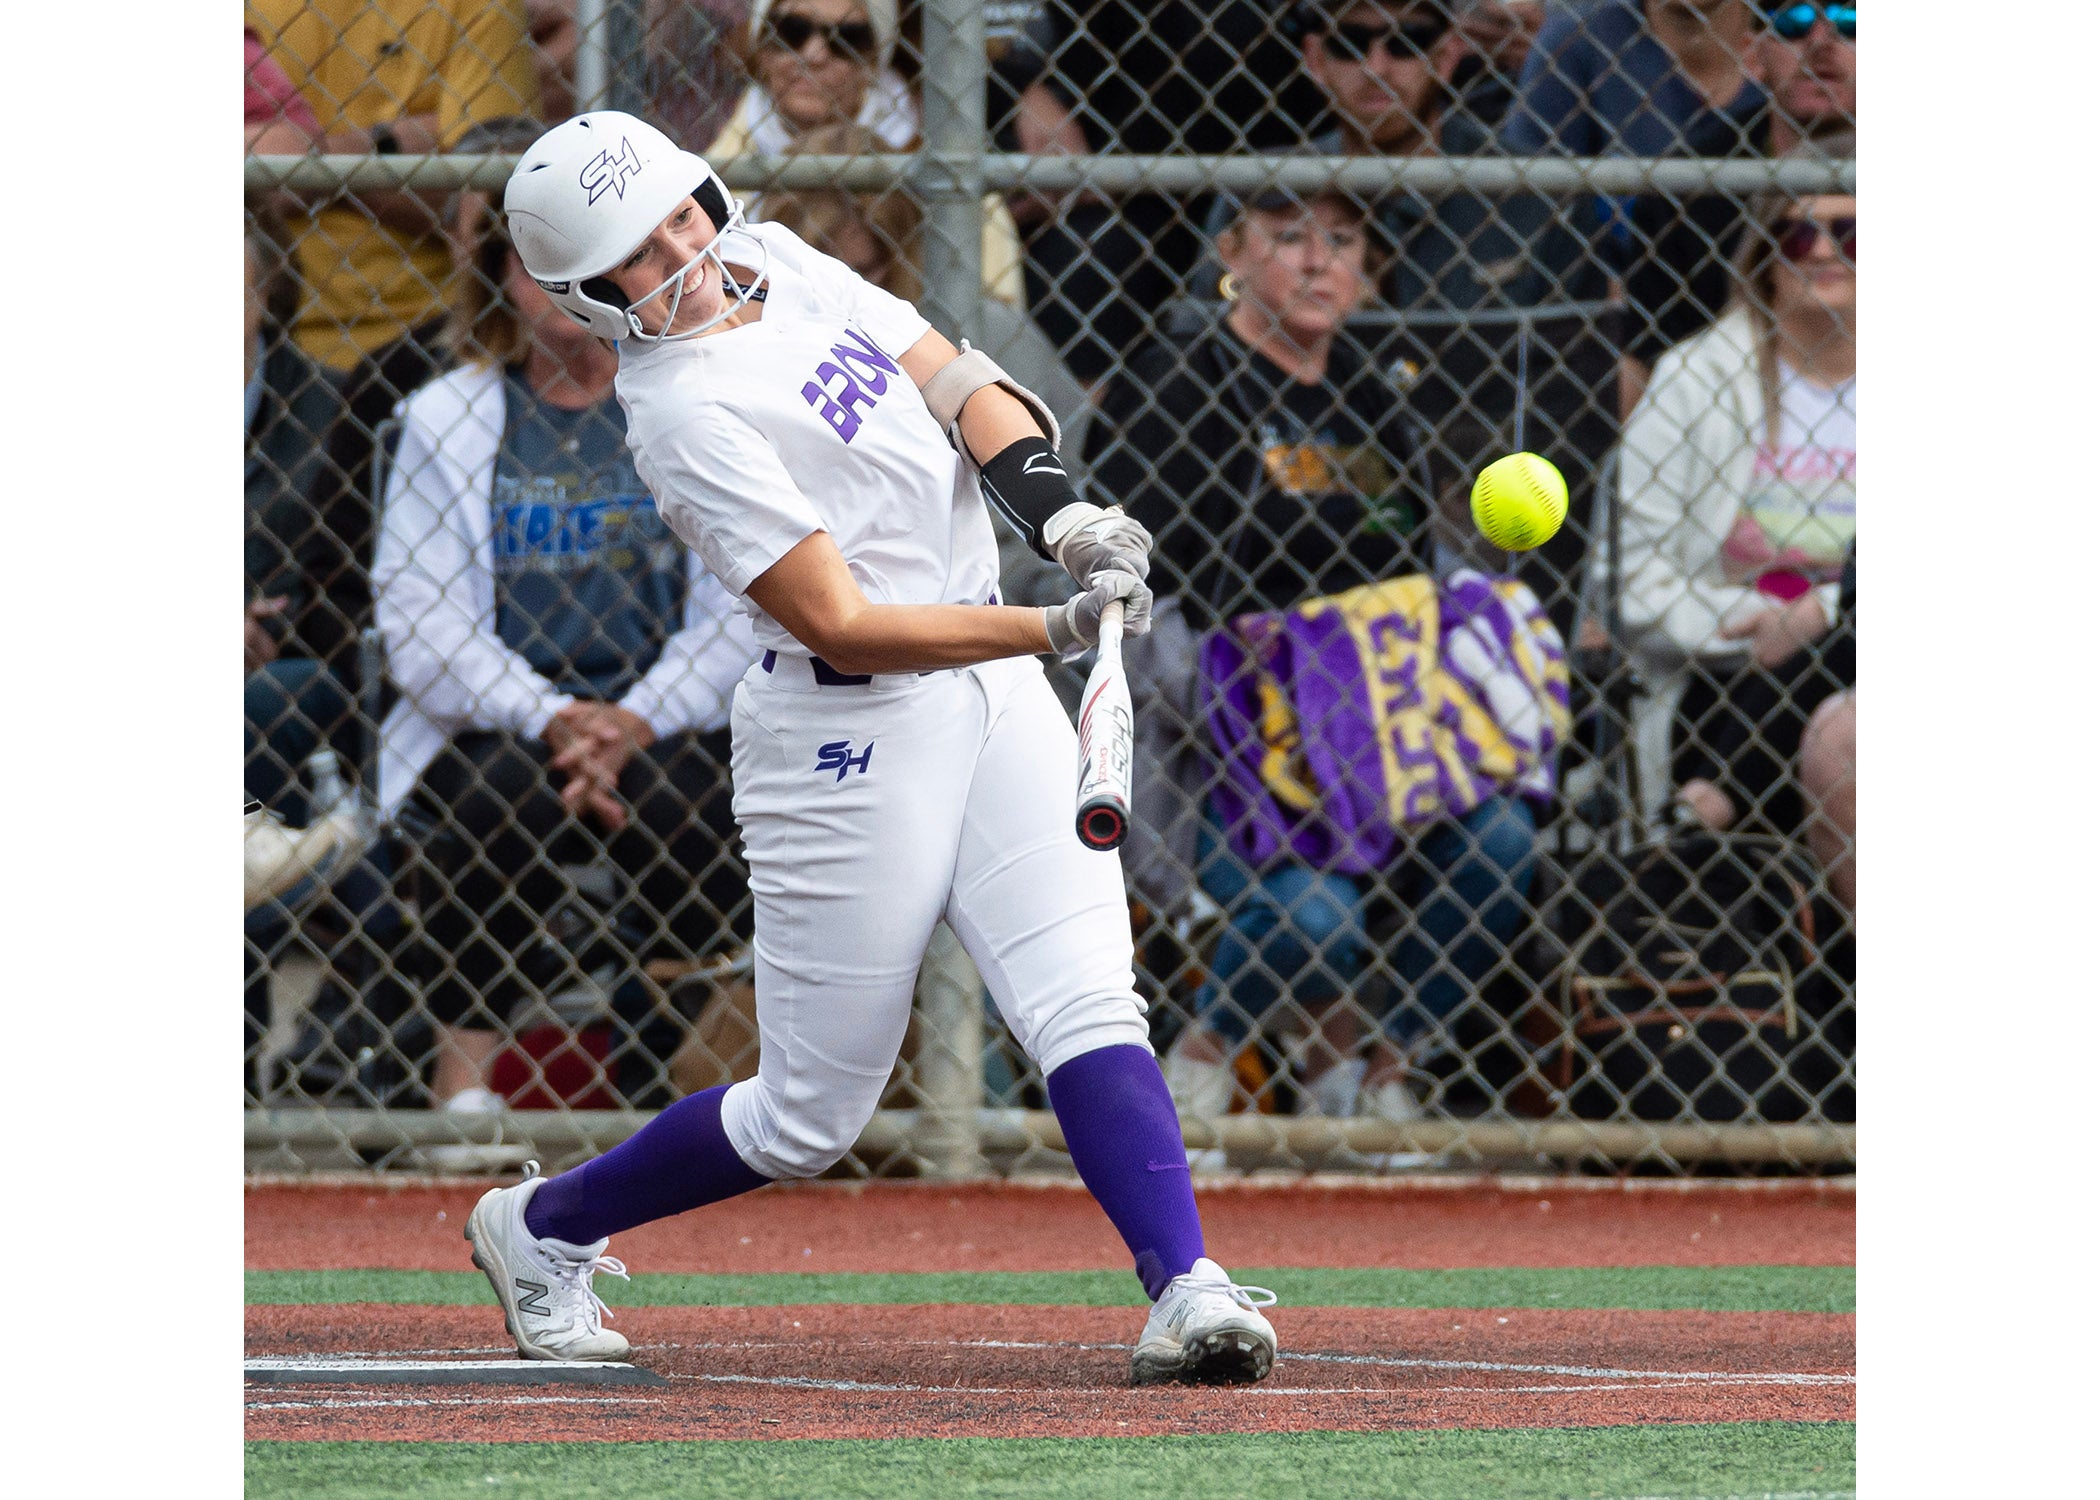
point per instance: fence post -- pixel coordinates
(951, 173)
(593, 54)
(950, 183)
(949, 1068)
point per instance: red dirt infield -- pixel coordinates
(881, 1372)
(1020, 1371)
(907, 1226)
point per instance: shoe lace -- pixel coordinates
(574, 1278)
(1249, 1297)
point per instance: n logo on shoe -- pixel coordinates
(535, 1299)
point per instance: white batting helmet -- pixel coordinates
(590, 190)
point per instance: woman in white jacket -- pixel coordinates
(1736, 485)
(565, 665)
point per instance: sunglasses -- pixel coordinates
(1346, 43)
(849, 40)
(1797, 236)
(1797, 19)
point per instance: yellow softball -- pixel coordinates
(1519, 501)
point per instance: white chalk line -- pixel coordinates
(815, 1383)
(334, 1403)
(1381, 1361)
(350, 1354)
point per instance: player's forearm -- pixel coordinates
(921, 637)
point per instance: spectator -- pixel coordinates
(1737, 487)
(1468, 326)
(1498, 36)
(294, 705)
(879, 236)
(828, 62)
(384, 77)
(297, 848)
(565, 666)
(1272, 464)
(1679, 280)
(1627, 78)
(552, 26)
(279, 122)
(1635, 78)
(693, 65)
(691, 69)
(1207, 76)
(1809, 60)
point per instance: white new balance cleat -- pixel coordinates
(1205, 1329)
(544, 1286)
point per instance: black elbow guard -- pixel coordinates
(1026, 483)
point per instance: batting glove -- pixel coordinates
(1075, 625)
(1091, 540)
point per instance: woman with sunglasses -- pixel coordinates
(1736, 483)
(1272, 460)
(828, 62)
(898, 756)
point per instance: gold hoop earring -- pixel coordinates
(1229, 287)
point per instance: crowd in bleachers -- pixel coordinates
(487, 693)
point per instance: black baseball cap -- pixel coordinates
(1231, 206)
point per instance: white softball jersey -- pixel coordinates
(753, 438)
(871, 808)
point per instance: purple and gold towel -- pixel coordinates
(1349, 719)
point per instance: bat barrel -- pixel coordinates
(1103, 817)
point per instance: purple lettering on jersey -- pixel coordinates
(838, 412)
(855, 375)
(868, 362)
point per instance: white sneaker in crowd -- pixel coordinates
(1201, 1088)
(291, 864)
(544, 1286)
(1205, 1329)
(1335, 1094)
(1393, 1102)
(475, 1100)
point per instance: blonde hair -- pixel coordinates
(892, 217)
(1756, 257)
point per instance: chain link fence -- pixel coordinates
(1445, 857)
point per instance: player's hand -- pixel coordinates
(1075, 625)
(1110, 540)
(1776, 634)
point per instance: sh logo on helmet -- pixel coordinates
(606, 170)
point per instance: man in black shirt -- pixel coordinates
(1145, 77)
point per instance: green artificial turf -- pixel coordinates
(1769, 1460)
(1659, 1288)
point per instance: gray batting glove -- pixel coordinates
(1107, 539)
(1075, 625)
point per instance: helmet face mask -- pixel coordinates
(590, 191)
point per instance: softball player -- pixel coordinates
(898, 756)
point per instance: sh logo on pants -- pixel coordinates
(838, 756)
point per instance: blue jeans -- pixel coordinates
(1296, 929)
(292, 708)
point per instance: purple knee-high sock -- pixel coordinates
(1125, 1139)
(679, 1160)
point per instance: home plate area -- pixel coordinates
(955, 1371)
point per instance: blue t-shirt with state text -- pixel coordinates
(589, 581)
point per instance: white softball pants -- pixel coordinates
(871, 812)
